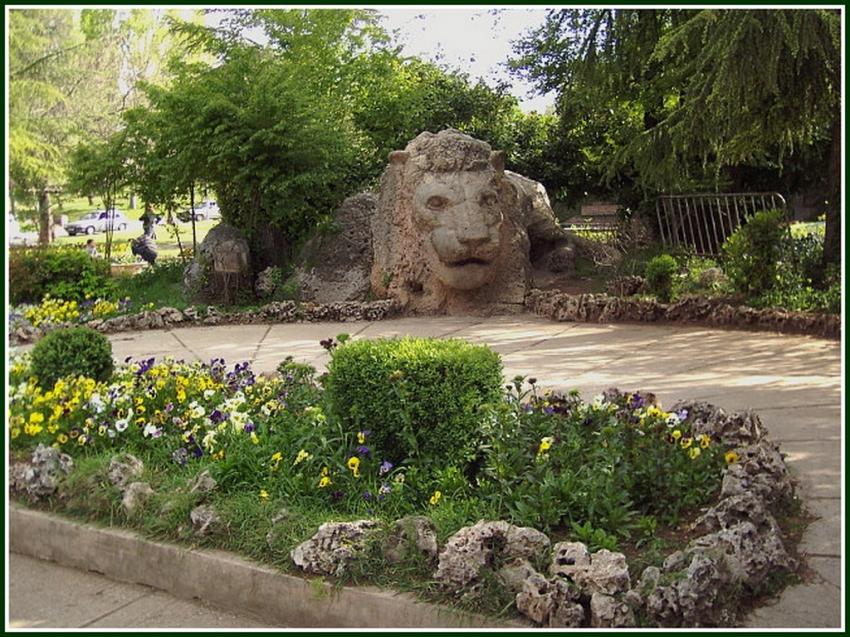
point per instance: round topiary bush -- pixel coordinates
(74, 351)
(419, 398)
(659, 276)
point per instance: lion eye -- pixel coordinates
(436, 202)
(488, 199)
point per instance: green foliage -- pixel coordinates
(65, 273)
(697, 277)
(421, 399)
(74, 351)
(552, 461)
(659, 275)
(752, 252)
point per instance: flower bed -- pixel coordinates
(218, 456)
(110, 320)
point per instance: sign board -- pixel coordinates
(229, 257)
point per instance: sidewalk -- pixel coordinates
(793, 382)
(44, 595)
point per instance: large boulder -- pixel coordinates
(333, 548)
(40, 477)
(223, 249)
(337, 265)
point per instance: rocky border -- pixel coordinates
(276, 312)
(738, 547)
(603, 308)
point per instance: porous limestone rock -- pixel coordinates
(739, 429)
(607, 573)
(416, 533)
(607, 611)
(454, 232)
(332, 549)
(567, 558)
(552, 602)
(759, 469)
(224, 247)
(40, 477)
(514, 573)
(266, 282)
(474, 548)
(750, 555)
(625, 286)
(337, 265)
(732, 510)
(134, 494)
(123, 468)
(204, 520)
(203, 483)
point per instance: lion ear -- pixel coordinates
(497, 159)
(399, 157)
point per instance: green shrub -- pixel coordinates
(659, 276)
(67, 273)
(73, 351)
(752, 252)
(420, 398)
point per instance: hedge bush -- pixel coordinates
(419, 399)
(752, 252)
(73, 351)
(67, 273)
(659, 276)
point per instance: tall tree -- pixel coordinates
(712, 88)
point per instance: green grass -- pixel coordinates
(161, 285)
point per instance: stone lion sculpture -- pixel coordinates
(451, 231)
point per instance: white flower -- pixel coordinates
(673, 420)
(121, 425)
(208, 393)
(96, 403)
(151, 430)
(209, 440)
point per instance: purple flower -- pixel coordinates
(337, 495)
(548, 410)
(637, 401)
(528, 408)
(249, 427)
(367, 495)
(198, 452)
(169, 407)
(362, 450)
(217, 417)
(682, 414)
(384, 490)
(385, 468)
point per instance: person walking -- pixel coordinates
(91, 248)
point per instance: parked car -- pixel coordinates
(205, 210)
(97, 221)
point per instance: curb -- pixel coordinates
(223, 579)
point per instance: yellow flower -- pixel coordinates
(704, 441)
(101, 431)
(218, 455)
(361, 438)
(301, 457)
(694, 453)
(181, 395)
(324, 481)
(264, 495)
(254, 438)
(62, 439)
(731, 457)
(686, 442)
(82, 440)
(324, 471)
(435, 498)
(36, 418)
(16, 432)
(354, 466)
(676, 434)
(276, 458)
(545, 445)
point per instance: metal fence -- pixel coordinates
(702, 222)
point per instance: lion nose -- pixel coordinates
(472, 230)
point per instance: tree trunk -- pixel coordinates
(11, 201)
(91, 201)
(132, 201)
(832, 235)
(192, 213)
(45, 218)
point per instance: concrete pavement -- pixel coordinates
(794, 382)
(45, 595)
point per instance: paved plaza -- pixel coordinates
(793, 382)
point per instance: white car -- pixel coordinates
(206, 210)
(97, 221)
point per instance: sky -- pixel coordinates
(472, 40)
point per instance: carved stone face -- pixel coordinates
(460, 215)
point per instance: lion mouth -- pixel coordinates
(469, 261)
